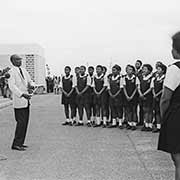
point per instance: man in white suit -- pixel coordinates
(20, 84)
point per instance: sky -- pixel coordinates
(91, 32)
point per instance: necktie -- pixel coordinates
(21, 72)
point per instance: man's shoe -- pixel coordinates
(18, 148)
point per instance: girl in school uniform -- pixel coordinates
(68, 98)
(146, 97)
(130, 84)
(92, 105)
(115, 97)
(170, 109)
(82, 84)
(100, 96)
(77, 72)
(157, 92)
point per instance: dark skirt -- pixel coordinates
(100, 99)
(170, 131)
(133, 102)
(117, 101)
(68, 100)
(83, 99)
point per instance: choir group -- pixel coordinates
(114, 100)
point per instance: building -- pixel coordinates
(32, 59)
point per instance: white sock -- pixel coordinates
(114, 122)
(98, 120)
(80, 121)
(67, 120)
(89, 121)
(104, 120)
(150, 125)
(159, 126)
(120, 122)
(134, 123)
(146, 125)
(130, 123)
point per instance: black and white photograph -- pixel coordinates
(90, 90)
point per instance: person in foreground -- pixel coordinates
(22, 87)
(170, 109)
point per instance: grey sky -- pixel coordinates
(75, 32)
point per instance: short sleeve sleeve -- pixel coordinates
(152, 83)
(121, 82)
(88, 80)
(172, 79)
(93, 83)
(74, 81)
(105, 81)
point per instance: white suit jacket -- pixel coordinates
(19, 85)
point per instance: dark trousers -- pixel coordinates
(22, 119)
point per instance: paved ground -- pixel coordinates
(78, 153)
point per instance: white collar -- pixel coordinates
(82, 76)
(147, 77)
(98, 77)
(130, 78)
(115, 78)
(160, 78)
(67, 77)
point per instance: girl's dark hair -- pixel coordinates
(131, 66)
(99, 66)
(163, 67)
(149, 67)
(117, 67)
(68, 67)
(91, 67)
(104, 67)
(176, 42)
(139, 61)
(83, 67)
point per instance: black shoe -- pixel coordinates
(144, 128)
(18, 148)
(112, 126)
(104, 126)
(128, 127)
(97, 125)
(24, 146)
(70, 123)
(121, 127)
(65, 123)
(89, 124)
(79, 124)
(133, 128)
(149, 129)
(156, 130)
